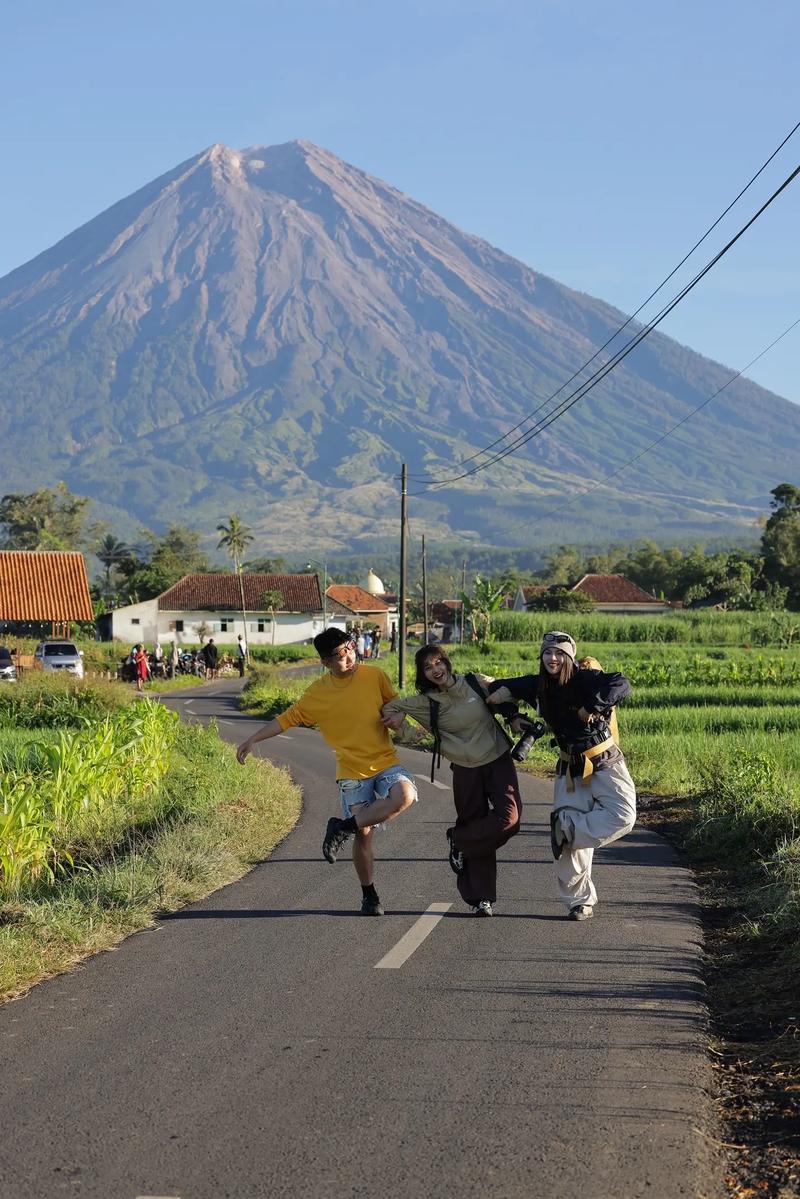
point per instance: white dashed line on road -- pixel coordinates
(412, 940)
(434, 782)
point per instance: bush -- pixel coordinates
(57, 701)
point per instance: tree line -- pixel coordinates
(765, 577)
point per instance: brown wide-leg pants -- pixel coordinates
(488, 808)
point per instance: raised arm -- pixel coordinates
(271, 729)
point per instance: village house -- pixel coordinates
(358, 607)
(615, 593)
(200, 606)
(524, 595)
(43, 587)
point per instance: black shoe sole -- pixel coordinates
(450, 855)
(555, 844)
(330, 848)
(376, 911)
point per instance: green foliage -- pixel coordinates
(482, 604)
(71, 796)
(47, 519)
(161, 561)
(52, 701)
(704, 627)
(561, 599)
(780, 543)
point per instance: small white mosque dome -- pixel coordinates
(373, 584)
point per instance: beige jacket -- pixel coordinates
(469, 733)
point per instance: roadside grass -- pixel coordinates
(106, 854)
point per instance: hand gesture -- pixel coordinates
(393, 720)
(243, 751)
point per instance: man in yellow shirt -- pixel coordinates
(346, 706)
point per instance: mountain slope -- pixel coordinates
(273, 331)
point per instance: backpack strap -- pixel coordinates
(476, 687)
(436, 759)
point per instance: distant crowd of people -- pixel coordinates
(205, 662)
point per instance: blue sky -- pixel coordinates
(595, 142)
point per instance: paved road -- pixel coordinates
(248, 1046)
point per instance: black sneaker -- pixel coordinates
(371, 906)
(454, 856)
(335, 838)
(484, 908)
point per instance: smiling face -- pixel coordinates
(343, 661)
(553, 661)
(436, 671)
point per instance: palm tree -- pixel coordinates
(111, 553)
(235, 539)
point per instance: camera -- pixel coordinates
(534, 729)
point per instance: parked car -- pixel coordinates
(8, 671)
(60, 655)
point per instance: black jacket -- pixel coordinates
(593, 690)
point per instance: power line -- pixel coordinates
(622, 327)
(597, 377)
(562, 506)
(671, 430)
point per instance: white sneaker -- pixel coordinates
(581, 911)
(484, 908)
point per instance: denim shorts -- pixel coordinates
(354, 793)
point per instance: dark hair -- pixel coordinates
(547, 684)
(329, 640)
(421, 659)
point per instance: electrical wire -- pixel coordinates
(563, 505)
(478, 453)
(617, 358)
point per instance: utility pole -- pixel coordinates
(401, 661)
(424, 596)
(463, 592)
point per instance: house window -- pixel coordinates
(224, 626)
(262, 626)
(135, 620)
(178, 626)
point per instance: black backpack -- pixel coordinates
(436, 759)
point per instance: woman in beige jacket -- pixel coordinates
(485, 786)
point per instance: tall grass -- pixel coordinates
(688, 628)
(67, 798)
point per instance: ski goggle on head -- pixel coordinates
(560, 641)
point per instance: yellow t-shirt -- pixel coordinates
(348, 714)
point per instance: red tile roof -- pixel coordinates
(356, 599)
(220, 593)
(44, 585)
(613, 589)
(532, 590)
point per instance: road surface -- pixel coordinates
(270, 1041)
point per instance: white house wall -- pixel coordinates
(144, 622)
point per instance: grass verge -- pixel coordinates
(217, 819)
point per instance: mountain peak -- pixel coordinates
(272, 331)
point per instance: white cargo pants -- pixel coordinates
(602, 809)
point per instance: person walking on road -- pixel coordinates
(594, 800)
(374, 788)
(485, 785)
(241, 655)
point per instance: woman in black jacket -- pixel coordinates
(595, 800)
